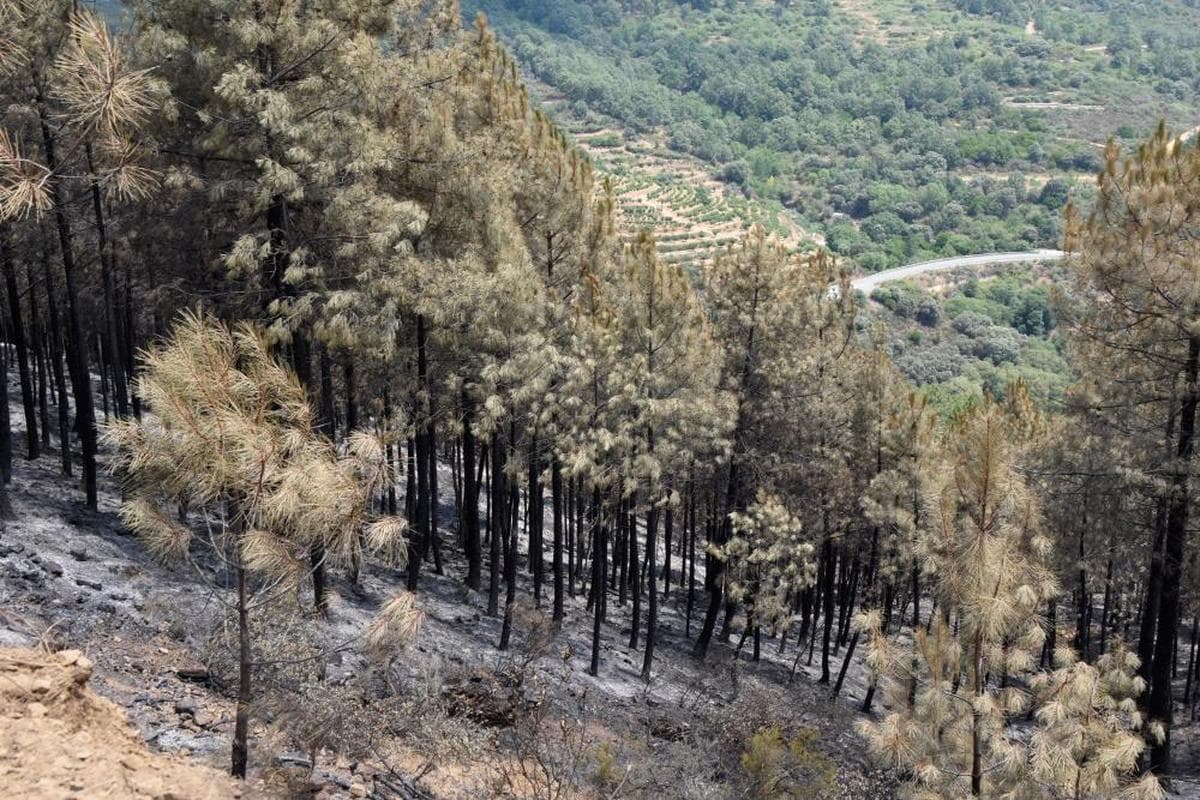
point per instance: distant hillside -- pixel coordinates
(898, 130)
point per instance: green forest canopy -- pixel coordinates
(902, 130)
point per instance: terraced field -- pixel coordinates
(692, 214)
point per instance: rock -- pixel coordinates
(94, 585)
(358, 790)
(203, 719)
(36, 710)
(82, 662)
(185, 707)
(79, 554)
(193, 674)
(10, 549)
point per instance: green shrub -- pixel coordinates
(793, 768)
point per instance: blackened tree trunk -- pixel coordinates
(56, 359)
(351, 400)
(423, 461)
(1187, 689)
(17, 334)
(621, 554)
(77, 361)
(635, 582)
(652, 563)
(691, 569)
(327, 427)
(1150, 605)
(533, 528)
(241, 725)
(129, 337)
(1082, 626)
(497, 522)
(6, 448)
(392, 447)
(1161, 694)
(829, 556)
(714, 575)
(326, 423)
(435, 540)
(111, 337)
(470, 511)
(41, 358)
(1104, 614)
(598, 581)
(916, 594)
(556, 502)
(668, 531)
(410, 483)
(510, 564)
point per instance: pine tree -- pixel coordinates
(1135, 265)
(782, 330)
(671, 410)
(956, 695)
(233, 440)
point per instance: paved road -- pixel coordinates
(868, 283)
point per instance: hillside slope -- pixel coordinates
(901, 132)
(460, 719)
(58, 739)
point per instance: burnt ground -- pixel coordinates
(74, 578)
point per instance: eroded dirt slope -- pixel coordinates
(58, 739)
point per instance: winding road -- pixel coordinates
(868, 283)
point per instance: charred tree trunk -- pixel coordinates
(241, 725)
(556, 502)
(41, 357)
(435, 536)
(57, 369)
(77, 361)
(1161, 695)
(422, 461)
(635, 582)
(470, 513)
(533, 499)
(598, 580)
(111, 337)
(510, 585)
(829, 556)
(1104, 614)
(17, 334)
(652, 563)
(497, 522)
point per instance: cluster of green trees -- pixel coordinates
(978, 336)
(435, 306)
(1155, 41)
(884, 144)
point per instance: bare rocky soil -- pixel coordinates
(58, 739)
